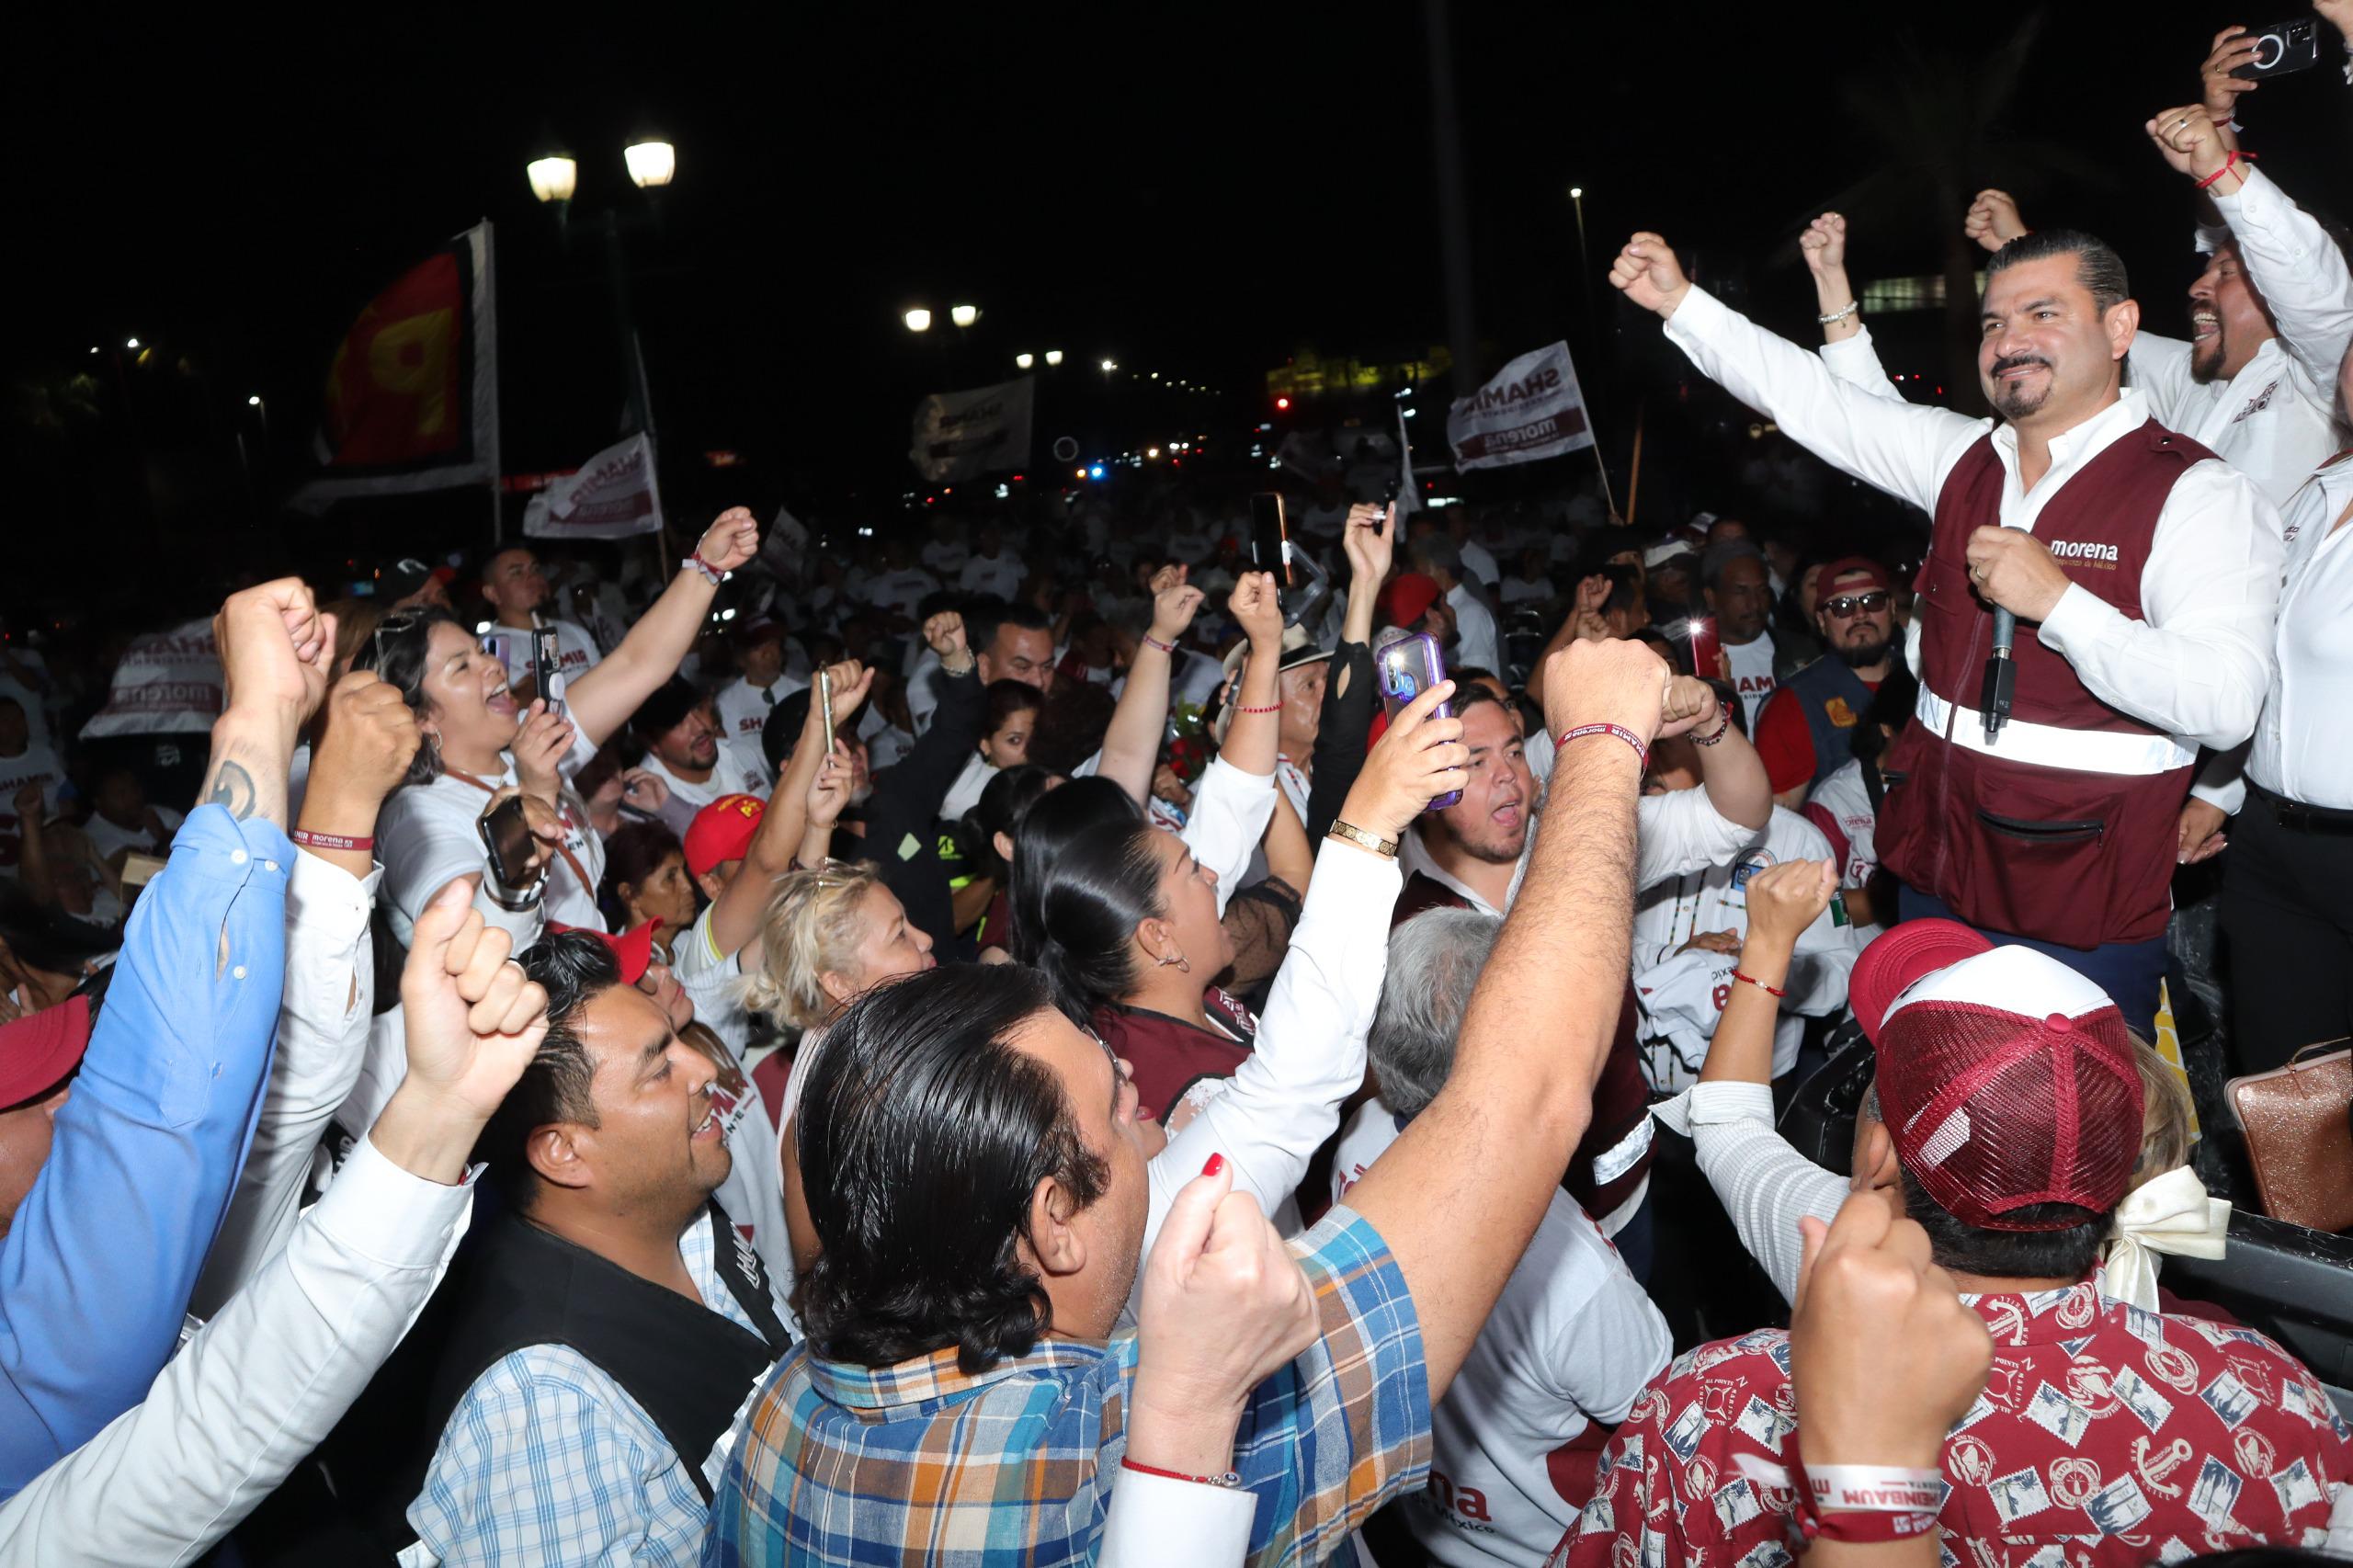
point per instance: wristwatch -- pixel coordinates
(1363, 839)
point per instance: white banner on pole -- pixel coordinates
(964, 435)
(613, 496)
(168, 682)
(1532, 409)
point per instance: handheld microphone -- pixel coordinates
(2001, 675)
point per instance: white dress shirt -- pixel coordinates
(252, 1392)
(2196, 667)
(2302, 746)
(1476, 646)
(2272, 420)
(323, 1019)
(1480, 562)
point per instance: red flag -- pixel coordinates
(412, 396)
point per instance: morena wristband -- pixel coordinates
(1642, 752)
(1230, 1480)
(710, 573)
(1723, 725)
(1864, 1527)
(1151, 642)
(1769, 991)
(309, 840)
(1876, 1488)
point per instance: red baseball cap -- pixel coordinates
(1852, 566)
(1407, 598)
(633, 950)
(39, 1049)
(722, 831)
(2005, 1077)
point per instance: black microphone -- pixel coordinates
(2001, 675)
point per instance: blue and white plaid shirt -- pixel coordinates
(547, 1460)
(921, 1462)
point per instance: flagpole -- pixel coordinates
(1634, 480)
(1602, 468)
(497, 468)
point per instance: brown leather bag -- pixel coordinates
(2299, 1124)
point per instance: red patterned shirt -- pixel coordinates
(2105, 1434)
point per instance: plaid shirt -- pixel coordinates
(547, 1460)
(920, 1463)
(2105, 1434)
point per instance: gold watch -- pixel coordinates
(1362, 839)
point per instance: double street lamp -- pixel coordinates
(653, 163)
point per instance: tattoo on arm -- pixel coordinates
(232, 786)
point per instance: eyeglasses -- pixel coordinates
(400, 620)
(1849, 605)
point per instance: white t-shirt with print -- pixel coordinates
(428, 834)
(1573, 1340)
(107, 838)
(35, 764)
(1000, 575)
(741, 769)
(1752, 674)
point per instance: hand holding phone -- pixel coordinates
(1405, 665)
(546, 668)
(1270, 540)
(516, 852)
(825, 700)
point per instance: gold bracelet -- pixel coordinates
(1349, 833)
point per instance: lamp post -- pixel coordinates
(1053, 357)
(554, 178)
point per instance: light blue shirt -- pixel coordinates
(96, 1269)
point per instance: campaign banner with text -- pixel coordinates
(1532, 409)
(966, 434)
(614, 495)
(168, 682)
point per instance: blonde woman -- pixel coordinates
(830, 933)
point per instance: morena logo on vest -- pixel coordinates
(2089, 553)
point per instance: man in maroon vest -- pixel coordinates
(2143, 572)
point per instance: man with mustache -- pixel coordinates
(2143, 573)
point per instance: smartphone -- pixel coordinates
(2282, 48)
(507, 834)
(1404, 667)
(1705, 646)
(546, 668)
(1270, 540)
(825, 702)
(508, 649)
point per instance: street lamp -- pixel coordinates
(553, 176)
(253, 401)
(1576, 200)
(1053, 356)
(133, 342)
(1108, 365)
(652, 163)
(1023, 361)
(918, 320)
(964, 316)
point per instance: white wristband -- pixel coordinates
(1878, 1489)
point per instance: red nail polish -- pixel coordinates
(1216, 1164)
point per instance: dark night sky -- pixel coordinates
(1200, 191)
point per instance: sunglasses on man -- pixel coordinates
(1846, 606)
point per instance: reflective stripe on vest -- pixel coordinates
(2049, 746)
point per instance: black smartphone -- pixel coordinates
(1270, 540)
(507, 834)
(546, 668)
(2282, 48)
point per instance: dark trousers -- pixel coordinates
(2287, 934)
(2129, 971)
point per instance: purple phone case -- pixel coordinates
(1404, 669)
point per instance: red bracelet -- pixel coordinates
(1151, 642)
(1230, 1480)
(330, 841)
(1752, 980)
(1642, 752)
(1270, 708)
(2231, 160)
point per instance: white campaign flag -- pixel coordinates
(964, 435)
(1532, 409)
(168, 683)
(613, 496)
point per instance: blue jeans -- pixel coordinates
(2129, 971)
